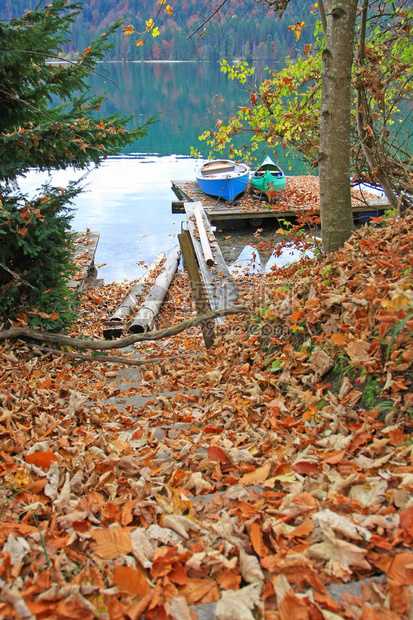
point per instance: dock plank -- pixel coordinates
(219, 284)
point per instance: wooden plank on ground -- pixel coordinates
(219, 284)
(85, 245)
(198, 290)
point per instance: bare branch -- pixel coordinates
(207, 20)
(98, 345)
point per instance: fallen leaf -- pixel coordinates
(257, 539)
(41, 459)
(216, 453)
(256, 476)
(239, 604)
(358, 351)
(341, 556)
(110, 544)
(250, 568)
(131, 581)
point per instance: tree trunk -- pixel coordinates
(334, 161)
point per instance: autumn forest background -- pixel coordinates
(240, 29)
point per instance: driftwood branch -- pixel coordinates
(99, 345)
(112, 359)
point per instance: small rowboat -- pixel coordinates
(223, 178)
(268, 179)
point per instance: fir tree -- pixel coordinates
(49, 121)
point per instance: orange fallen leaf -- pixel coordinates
(257, 540)
(256, 476)
(335, 458)
(178, 574)
(131, 581)
(215, 453)
(398, 568)
(41, 459)
(293, 607)
(111, 544)
(200, 591)
(304, 467)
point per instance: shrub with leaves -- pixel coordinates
(49, 121)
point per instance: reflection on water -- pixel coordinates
(129, 202)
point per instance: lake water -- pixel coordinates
(128, 199)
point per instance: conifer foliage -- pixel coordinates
(50, 121)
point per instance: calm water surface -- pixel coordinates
(128, 199)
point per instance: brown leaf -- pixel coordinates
(340, 556)
(358, 352)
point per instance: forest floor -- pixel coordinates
(269, 477)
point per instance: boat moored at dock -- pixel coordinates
(223, 178)
(268, 179)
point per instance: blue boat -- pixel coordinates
(223, 178)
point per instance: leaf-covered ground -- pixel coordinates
(270, 477)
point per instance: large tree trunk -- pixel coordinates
(334, 161)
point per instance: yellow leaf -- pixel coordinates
(161, 2)
(338, 339)
(156, 32)
(169, 10)
(149, 24)
(128, 29)
(396, 302)
(139, 42)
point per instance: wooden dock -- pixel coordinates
(212, 285)
(300, 196)
(219, 284)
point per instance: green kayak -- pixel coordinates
(268, 179)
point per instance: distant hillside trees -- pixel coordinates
(242, 29)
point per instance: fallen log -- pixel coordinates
(115, 327)
(101, 345)
(144, 320)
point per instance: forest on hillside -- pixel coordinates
(241, 29)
